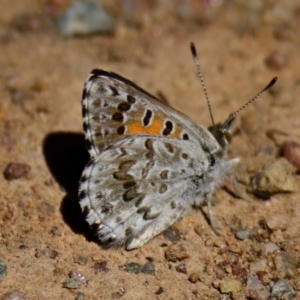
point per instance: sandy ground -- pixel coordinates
(43, 235)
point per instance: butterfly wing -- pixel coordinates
(149, 163)
(139, 186)
(114, 108)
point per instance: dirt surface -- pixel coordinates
(44, 239)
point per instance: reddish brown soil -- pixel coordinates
(43, 236)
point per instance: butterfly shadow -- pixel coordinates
(66, 157)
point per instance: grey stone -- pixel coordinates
(85, 18)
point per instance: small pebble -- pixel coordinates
(254, 284)
(219, 242)
(276, 177)
(3, 270)
(258, 266)
(100, 267)
(71, 283)
(85, 18)
(193, 277)
(176, 252)
(235, 249)
(243, 234)
(98, 257)
(230, 285)
(80, 277)
(148, 268)
(15, 171)
(79, 296)
(119, 293)
(159, 291)
(50, 253)
(291, 151)
(271, 247)
(209, 270)
(198, 229)
(286, 263)
(277, 236)
(280, 288)
(133, 268)
(181, 268)
(55, 231)
(238, 270)
(276, 61)
(209, 242)
(14, 295)
(258, 248)
(171, 234)
(81, 260)
(276, 222)
(46, 209)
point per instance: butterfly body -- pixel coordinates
(149, 163)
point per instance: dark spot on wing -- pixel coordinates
(118, 116)
(169, 147)
(121, 130)
(185, 136)
(128, 231)
(85, 211)
(129, 184)
(130, 194)
(114, 91)
(164, 174)
(184, 155)
(126, 165)
(163, 188)
(168, 128)
(124, 106)
(106, 208)
(147, 117)
(131, 99)
(82, 194)
(121, 175)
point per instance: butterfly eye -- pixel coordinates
(222, 135)
(227, 131)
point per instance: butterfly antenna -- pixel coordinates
(233, 115)
(195, 57)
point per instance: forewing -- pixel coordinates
(139, 186)
(114, 108)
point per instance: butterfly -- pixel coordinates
(149, 163)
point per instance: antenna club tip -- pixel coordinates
(193, 49)
(272, 82)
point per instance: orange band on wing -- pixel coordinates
(154, 129)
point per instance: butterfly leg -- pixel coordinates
(211, 218)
